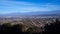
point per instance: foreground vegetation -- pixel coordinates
(21, 29)
(17, 28)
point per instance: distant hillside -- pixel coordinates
(41, 13)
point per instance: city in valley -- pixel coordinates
(39, 22)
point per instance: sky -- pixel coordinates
(23, 6)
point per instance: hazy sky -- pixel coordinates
(11, 6)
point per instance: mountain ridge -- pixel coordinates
(47, 13)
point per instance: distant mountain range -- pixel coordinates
(40, 13)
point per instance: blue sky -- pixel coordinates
(11, 6)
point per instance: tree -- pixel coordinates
(31, 30)
(53, 28)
